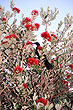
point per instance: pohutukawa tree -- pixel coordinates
(35, 78)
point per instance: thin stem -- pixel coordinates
(22, 66)
(62, 93)
(8, 84)
(17, 60)
(46, 27)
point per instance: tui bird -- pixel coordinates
(36, 51)
(46, 63)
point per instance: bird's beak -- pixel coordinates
(34, 43)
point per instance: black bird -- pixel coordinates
(46, 63)
(36, 51)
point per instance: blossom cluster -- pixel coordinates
(34, 13)
(18, 69)
(27, 22)
(71, 66)
(32, 61)
(65, 82)
(42, 100)
(10, 36)
(46, 35)
(25, 85)
(29, 42)
(39, 47)
(54, 36)
(16, 9)
(3, 19)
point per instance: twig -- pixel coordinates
(8, 84)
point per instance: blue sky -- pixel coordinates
(26, 6)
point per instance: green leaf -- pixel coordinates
(17, 39)
(39, 72)
(57, 62)
(37, 67)
(42, 108)
(11, 48)
(35, 107)
(59, 102)
(16, 104)
(21, 91)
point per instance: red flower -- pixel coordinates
(28, 42)
(26, 20)
(37, 26)
(8, 37)
(18, 69)
(3, 19)
(35, 12)
(32, 61)
(39, 47)
(65, 82)
(12, 35)
(42, 100)
(54, 35)
(67, 72)
(16, 9)
(16, 37)
(68, 76)
(4, 42)
(71, 66)
(25, 85)
(46, 35)
(29, 27)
